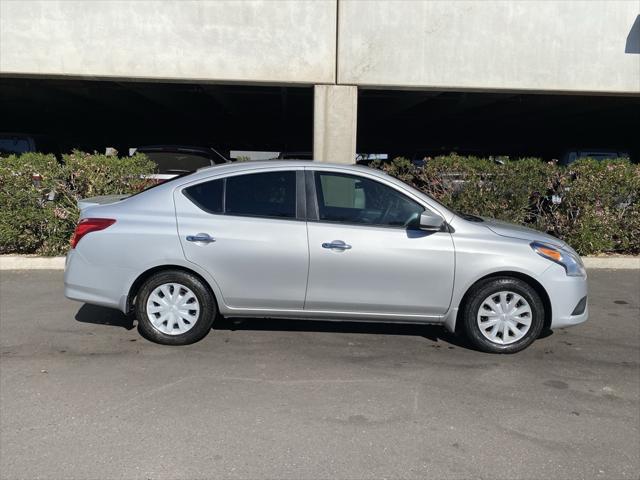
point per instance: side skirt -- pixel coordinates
(334, 316)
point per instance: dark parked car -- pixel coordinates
(174, 160)
(18, 143)
(571, 156)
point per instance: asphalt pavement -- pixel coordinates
(83, 396)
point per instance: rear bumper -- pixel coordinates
(565, 294)
(94, 284)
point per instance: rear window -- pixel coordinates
(169, 162)
(154, 184)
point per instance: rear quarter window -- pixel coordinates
(207, 195)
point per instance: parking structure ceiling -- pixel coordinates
(426, 123)
(94, 114)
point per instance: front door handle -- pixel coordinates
(201, 237)
(336, 245)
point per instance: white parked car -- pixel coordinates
(294, 239)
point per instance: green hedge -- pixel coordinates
(599, 211)
(599, 202)
(40, 216)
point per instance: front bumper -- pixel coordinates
(565, 294)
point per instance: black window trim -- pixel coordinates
(311, 197)
(198, 204)
(300, 196)
(313, 214)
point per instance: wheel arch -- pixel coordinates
(532, 282)
(139, 281)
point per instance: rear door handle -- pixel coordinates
(201, 237)
(336, 245)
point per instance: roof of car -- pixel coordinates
(238, 166)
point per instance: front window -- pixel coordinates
(359, 200)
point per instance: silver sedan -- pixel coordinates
(293, 239)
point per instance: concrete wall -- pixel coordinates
(535, 45)
(529, 45)
(255, 41)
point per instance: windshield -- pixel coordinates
(600, 155)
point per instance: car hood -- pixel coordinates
(101, 200)
(523, 233)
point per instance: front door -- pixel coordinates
(366, 254)
(247, 231)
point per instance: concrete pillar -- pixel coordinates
(335, 113)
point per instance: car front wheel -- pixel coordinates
(503, 315)
(174, 308)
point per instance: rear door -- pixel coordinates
(247, 230)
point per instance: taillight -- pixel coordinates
(88, 225)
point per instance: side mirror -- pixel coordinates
(430, 221)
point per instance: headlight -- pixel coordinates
(572, 263)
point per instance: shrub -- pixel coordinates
(598, 209)
(39, 213)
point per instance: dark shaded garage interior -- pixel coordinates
(426, 123)
(94, 114)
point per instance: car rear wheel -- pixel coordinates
(503, 315)
(174, 308)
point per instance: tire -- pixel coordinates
(190, 320)
(483, 312)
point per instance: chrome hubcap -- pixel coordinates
(173, 309)
(504, 317)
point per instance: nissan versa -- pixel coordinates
(294, 239)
